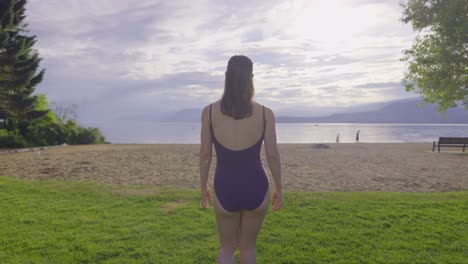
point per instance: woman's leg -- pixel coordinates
(251, 222)
(228, 229)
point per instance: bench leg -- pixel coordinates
(433, 146)
(438, 147)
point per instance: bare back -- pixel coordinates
(237, 134)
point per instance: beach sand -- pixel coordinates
(408, 167)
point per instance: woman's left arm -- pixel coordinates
(205, 156)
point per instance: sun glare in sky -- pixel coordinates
(150, 56)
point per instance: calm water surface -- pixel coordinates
(189, 133)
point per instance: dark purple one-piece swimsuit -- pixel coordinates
(240, 181)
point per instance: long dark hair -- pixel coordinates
(238, 88)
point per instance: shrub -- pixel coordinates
(47, 134)
(11, 139)
(88, 135)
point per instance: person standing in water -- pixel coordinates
(357, 136)
(338, 138)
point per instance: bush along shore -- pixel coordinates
(9, 151)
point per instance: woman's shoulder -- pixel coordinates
(259, 105)
(212, 104)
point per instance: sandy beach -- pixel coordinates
(306, 167)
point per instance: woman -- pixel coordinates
(237, 126)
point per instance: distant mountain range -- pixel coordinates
(402, 111)
(405, 111)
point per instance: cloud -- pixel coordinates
(379, 85)
(127, 58)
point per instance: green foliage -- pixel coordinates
(50, 221)
(48, 131)
(88, 135)
(438, 60)
(19, 63)
(58, 127)
(25, 116)
(80, 135)
(42, 103)
(11, 139)
(50, 134)
(55, 133)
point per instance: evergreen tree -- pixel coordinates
(19, 63)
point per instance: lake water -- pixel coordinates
(185, 133)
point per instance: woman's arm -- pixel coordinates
(205, 149)
(271, 149)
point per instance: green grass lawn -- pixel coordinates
(53, 221)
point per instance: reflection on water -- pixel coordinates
(184, 133)
(306, 133)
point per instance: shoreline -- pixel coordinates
(37, 148)
(394, 167)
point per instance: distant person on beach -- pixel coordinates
(357, 136)
(237, 126)
(338, 138)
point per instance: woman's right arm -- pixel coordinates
(273, 157)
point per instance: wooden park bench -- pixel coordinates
(461, 142)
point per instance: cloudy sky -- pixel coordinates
(123, 59)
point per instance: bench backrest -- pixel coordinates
(453, 140)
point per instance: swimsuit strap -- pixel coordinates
(263, 121)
